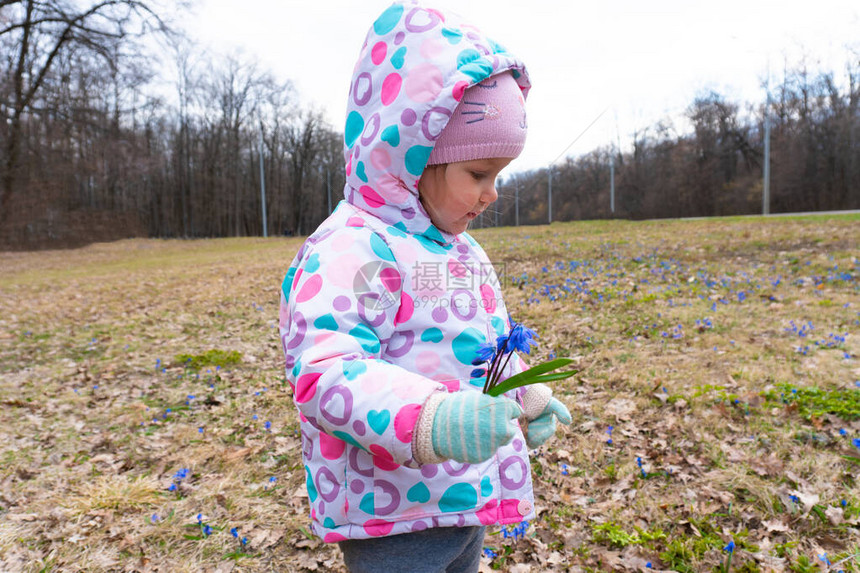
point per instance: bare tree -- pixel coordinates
(41, 32)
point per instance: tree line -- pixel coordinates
(715, 167)
(99, 142)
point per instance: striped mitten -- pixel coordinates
(542, 411)
(465, 426)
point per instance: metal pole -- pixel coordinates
(517, 204)
(765, 196)
(263, 184)
(549, 192)
(612, 183)
(328, 188)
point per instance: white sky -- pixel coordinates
(642, 59)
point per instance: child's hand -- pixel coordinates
(470, 426)
(542, 411)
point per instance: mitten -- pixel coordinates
(542, 410)
(465, 426)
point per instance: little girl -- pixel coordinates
(384, 307)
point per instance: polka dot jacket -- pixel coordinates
(380, 309)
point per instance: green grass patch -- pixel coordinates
(815, 402)
(222, 358)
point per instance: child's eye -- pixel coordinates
(477, 175)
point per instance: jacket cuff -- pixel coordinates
(422, 437)
(535, 400)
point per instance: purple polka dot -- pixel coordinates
(461, 520)
(408, 213)
(359, 427)
(356, 486)
(419, 526)
(342, 303)
(463, 248)
(322, 507)
(408, 116)
(440, 315)
(517, 444)
(398, 39)
(429, 470)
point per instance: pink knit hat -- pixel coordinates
(490, 121)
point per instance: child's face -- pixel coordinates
(456, 193)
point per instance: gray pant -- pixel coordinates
(436, 550)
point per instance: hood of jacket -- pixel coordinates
(414, 66)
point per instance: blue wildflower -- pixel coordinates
(522, 338)
(730, 548)
(207, 531)
(485, 353)
(235, 532)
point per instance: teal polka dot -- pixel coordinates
(431, 246)
(366, 338)
(453, 36)
(313, 263)
(366, 504)
(381, 248)
(466, 345)
(478, 70)
(433, 233)
(399, 58)
(309, 483)
(397, 231)
(432, 335)
(354, 127)
(359, 170)
(288, 283)
(391, 136)
(418, 493)
(347, 438)
(296, 369)
(486, 487)
(388, 20)
(459, 497)
(416, 159)
(326, 322)
(467, 56)
(496, 47)
(498, 325)
(329, 523)
(352, 369)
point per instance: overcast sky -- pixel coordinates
(638, 60)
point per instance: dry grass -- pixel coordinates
(88, 448)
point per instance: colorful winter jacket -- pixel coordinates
(380, 309)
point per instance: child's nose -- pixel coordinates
(491, 194)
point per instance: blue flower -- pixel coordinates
(485, 353)
(207, 531)
(502, 343)
(235, 532)
(522, 338)
(856, 442)
(730, 547)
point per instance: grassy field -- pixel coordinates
(145, 413)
